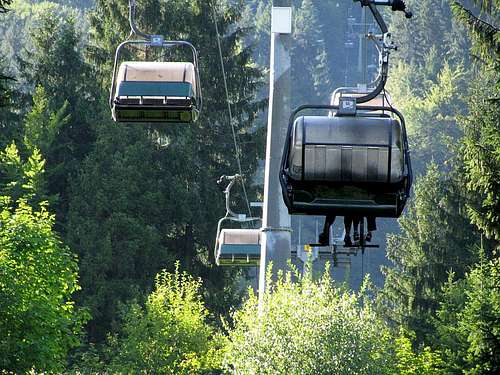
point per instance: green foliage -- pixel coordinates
(170, 335)
(38, 276)
(64, 102)
(308, 327)
(486, 35)
(436, 238)
(429, 39)
(468, 321)
(426, 362)
(19, 179)
(431, 116)
(41, 127)
(8, 99)
(480, 153)
(119, 220)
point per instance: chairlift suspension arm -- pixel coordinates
(132, 9)
(397, 5)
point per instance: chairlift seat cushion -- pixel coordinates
(347, 150)
(155, 89)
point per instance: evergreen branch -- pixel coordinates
(4, 4)
(487, 6)
(487, 35)
(5, 78)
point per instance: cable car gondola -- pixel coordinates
(155, 91)
(236, 247)
(353, 160)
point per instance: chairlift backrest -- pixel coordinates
(154, 72)
(347, 149)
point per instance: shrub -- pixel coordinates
(38, 275)
(170, 334)
(308, 327)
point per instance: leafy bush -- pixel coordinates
(170, 334)
(38, 275)
(426, 362)
(308, 327)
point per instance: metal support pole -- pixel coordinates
(276, 223)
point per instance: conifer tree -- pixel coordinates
(436, 239)
(62, 87)
(482, 125)
(309, 57)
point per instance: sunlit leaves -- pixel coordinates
(38, 276)
(308, 328)
(170, 334)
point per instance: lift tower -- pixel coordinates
(276, 222)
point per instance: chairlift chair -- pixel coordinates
(236, 247)
(155, 91)
(353, 160)
(347, 165)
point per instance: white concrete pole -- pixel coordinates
(276, 223)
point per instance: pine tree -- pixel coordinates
(467, 321)
(418, 44)
(64, 103)
(436, 239)
(482, 125)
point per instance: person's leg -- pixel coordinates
(324, 237)
(347, 225)
(356, 221)
(372, 225)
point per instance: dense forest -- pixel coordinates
(107, 229)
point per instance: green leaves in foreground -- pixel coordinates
(312, 327)
(170, 334)
(38, 275)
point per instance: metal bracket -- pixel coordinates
(157, 41)
(347, 106)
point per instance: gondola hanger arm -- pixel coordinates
(387, 44)
(132, 5)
